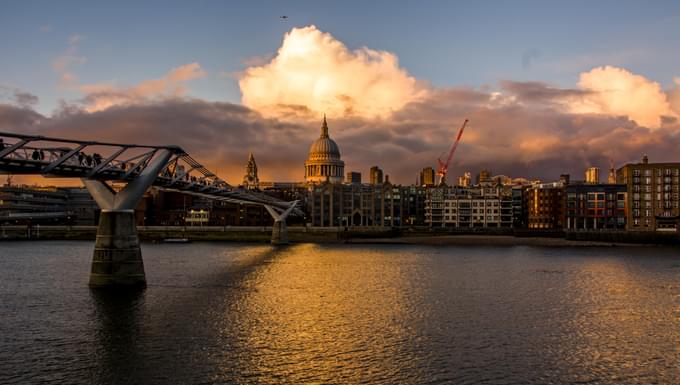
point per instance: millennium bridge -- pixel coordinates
(117, 176)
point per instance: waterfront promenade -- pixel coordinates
(301, 234)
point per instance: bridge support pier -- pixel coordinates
(117, 258)
(280, 233)
(279, 230)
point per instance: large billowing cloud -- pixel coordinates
(314, 70)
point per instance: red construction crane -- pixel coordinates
(444, 167)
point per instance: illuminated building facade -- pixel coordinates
(545, 206)
(653, 195)
(593, 175)
(426, 177)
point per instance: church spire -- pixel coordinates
(324, 128)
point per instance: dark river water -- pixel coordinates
(343, 314)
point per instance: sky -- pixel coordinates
(549, 87)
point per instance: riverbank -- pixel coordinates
(301, 234)
(492, 240)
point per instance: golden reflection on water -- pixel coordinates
(616, 311)
(329, 314)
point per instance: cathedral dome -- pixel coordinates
(324, 148)
(323, 162)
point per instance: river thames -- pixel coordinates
(343, 314)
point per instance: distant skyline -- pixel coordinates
(549, 87)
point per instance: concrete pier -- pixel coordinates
(279, 230)
(117, 258)
(280, 233)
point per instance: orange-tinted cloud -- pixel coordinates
(100, 96)
(617, 91)
(315, 70)
(104, 95)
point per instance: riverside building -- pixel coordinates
(595, 207)
(652, 195)
(462, 207)
(544, 204)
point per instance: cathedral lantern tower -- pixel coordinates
(323, 163)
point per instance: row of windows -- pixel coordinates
(659, 188)
(489, 218)
(659, 197)
(659, 180)
(649, 213)
(474, 203)
(474, 211)
(659, 172)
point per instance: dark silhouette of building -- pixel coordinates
(353, 177)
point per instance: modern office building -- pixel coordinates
(353, 177)
(653, 194)
(484, 176)
(519, 210)
(593, 175)
(462, 207)
(426, 177)
(465, 180)
(376, 175)
(595, 207)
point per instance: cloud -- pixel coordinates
(617, 91)
(101, 96)
(65, 64)
(315, 70)
(519, 129)
(21, 98)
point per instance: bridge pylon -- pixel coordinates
(117, 258)
(279, 230)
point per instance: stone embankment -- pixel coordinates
(297, 234)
